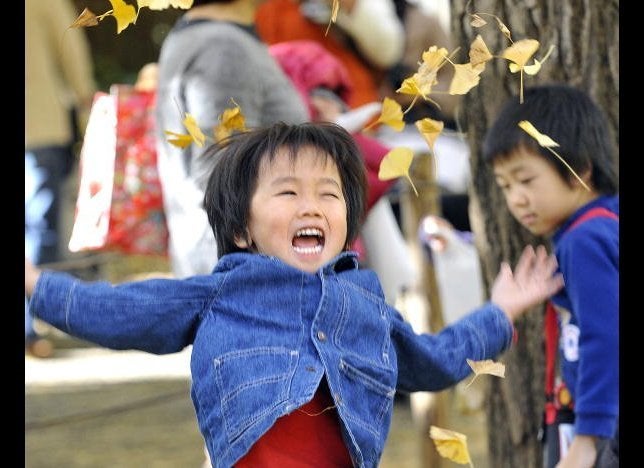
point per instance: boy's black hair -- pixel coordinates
(568, 116)
(236, 162)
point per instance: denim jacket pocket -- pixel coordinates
(252, 383)
(370, 399)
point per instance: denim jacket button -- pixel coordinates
(321, 336)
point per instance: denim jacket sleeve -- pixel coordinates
(158, 315)
(433, 362)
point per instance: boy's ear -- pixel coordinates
(585, 175)
(243, 242)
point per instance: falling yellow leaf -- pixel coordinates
(86, 18)
(548, 143)
(504, 29)
(424, 79)
(231, 119)
(534, 68)
(164, 4)
(396, 163)
(335, 8)
(465, 77)
(179, 139)
(429, 129)
(487, 366)
(193, 129)
(391, 114)
(477, 21)
(479, 53)
(123, 13)
(543, 140)
(451, 445)
(520, 52)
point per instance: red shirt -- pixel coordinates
(308, 437)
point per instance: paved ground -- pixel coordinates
(90, 407)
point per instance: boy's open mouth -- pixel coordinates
(308, 241)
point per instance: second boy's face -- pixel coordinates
(535, 193)
(298, 212)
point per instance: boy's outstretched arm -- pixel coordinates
(533, 281)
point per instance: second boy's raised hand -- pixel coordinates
(533, 281)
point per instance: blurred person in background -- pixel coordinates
(367, 37)
(211, 60)
(59, 87)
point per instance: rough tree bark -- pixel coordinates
(585, 34)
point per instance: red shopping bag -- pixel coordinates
(120, 203)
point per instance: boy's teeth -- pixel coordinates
(308, 250)
(309, 232)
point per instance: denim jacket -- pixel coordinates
(263, 336)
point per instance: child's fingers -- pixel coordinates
(525, 264)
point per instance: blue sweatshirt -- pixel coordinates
(588, 306)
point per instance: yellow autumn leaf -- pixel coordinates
(391, 114)
(451, 445)
(479, 53)
(164, 4)
(504, 29)
(536, 66)
(123, 13)
(477, 21)
(520, 52)
(178, 139)
(487, 366)
(549, 143)
(421, 82)
(193, 129)
(429, 129)
(543, 140)
(465, 77)
(396, 163)
(231, 119)
(409, 86)
(86, 18)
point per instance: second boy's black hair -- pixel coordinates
(568, 116)
(236, 162)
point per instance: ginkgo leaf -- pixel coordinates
(477, 21)
(549, 143)
(487, 366)
(335, 8)
(504, 29)
(520, 52)
(179, 139)
(231, 119)
(429, 129)
(543, 140)
(86, 18)
(123, 13)
(391, 114)
(396, 163)
(165, 4)
(409, 86)
(479, 53)
(465, 77)
(534, 68)
(193, 129)
(451, 445)
(421, 82)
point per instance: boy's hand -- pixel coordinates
(31, 277)
(532, 282)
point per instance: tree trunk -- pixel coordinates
(586, 38)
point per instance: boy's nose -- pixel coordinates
(309, 206)
(516, 197)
